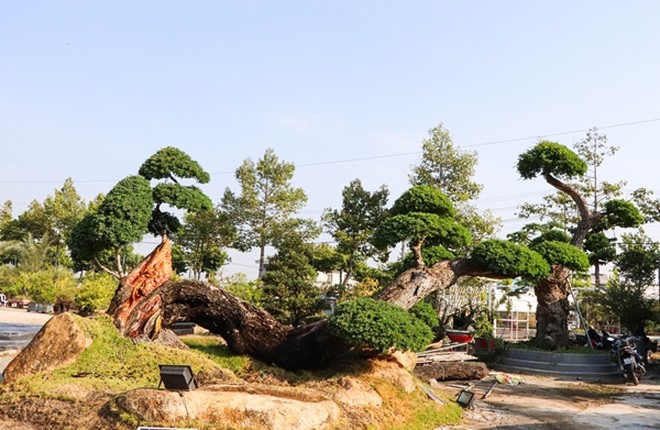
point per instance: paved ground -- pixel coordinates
(543, 403)
(18, 316)
(22, 316)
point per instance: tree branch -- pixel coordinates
(587, 218)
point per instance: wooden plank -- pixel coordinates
(432, 395)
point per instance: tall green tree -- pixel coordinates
(625, 293)
(353, 226)
(6, 214)
(63, 211)
(267, 201)
(446, 167)
(203, 240)
(290, 292)
(452, 170)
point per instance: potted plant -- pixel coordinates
(484, 339)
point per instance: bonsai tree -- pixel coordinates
(557, 165)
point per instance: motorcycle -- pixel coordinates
(630, 363)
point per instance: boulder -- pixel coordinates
(59, 342)
(254, 407)
(356, 393)
(392, 372)
(406, 359)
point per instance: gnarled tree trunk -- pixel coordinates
(552, 308)
(146, 301)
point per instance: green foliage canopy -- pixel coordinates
(120, 220)
(353, 226)
(422, 215)
(381, 325)
(172, 163)
(510, 259)
(550, 158)
(564, 254)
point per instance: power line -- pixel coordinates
(377, 157)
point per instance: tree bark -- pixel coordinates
(414, 284)
(552, 308)
(452, 371)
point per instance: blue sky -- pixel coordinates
(344, 90)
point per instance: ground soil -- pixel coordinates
(554, 403)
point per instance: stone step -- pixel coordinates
(609, 377)
(595, 358)
(587, 366)
(561, 367)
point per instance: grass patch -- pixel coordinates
(114, 363)
(215, 349)
(405, 411)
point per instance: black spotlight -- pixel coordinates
(177, 377)
(465, 398)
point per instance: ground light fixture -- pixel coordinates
(177, 377)
(465, 398)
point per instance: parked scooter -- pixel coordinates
(624, 350)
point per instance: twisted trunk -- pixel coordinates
(552, 308)
(146, 301)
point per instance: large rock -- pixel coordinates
(392, 371)
(356, 393)
(250, 406)
(57, 344)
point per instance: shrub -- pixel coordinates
(381, 325)
(48, 285)
(424, 312)
(95, 292)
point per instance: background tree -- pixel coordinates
(203, 239)
(289, 283)
(250, 291)
(452, 170)
(6, 215)
(54, 218)
(353, 226)
(266, 202)
(625, 293)
(62, 212)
